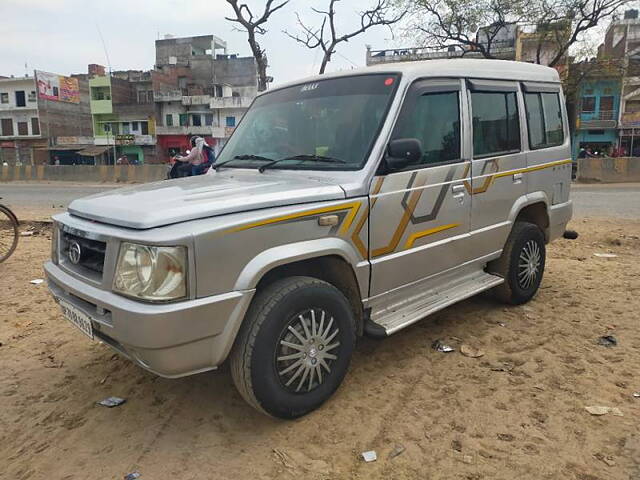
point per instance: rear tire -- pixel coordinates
(294, 347)
(521, 264)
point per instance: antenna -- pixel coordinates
(104, 46)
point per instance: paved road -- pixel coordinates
(38, 195)
(615, 200)
(620, 200)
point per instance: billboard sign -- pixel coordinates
(57, 87)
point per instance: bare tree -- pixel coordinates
(326, 37)
(558, 24)
(255, 26)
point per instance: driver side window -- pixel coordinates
(434, 119)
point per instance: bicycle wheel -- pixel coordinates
(8, 233)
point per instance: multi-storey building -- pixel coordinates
(123, 114)
(597, 112)
(199, 89)
(42, 118)
(622, 42)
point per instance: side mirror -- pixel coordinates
(402, 152)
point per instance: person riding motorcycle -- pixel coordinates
(200, 158)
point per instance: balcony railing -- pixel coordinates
(230, 102)
(196, 100)
(598, 120)
(183, 130)
(170, 96)
(630, 119)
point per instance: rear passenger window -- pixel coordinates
(544, 118)
(435, 121)
(496, 126)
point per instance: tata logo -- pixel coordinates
(309, 87)
(75, 252)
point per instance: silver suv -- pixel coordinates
(352, 203)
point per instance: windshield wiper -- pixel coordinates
(215, 166)
(304, 158)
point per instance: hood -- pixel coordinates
(228, 191)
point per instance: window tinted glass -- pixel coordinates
(496, 127)
(552, 118)
(544, 118)
(435, 121)
(535, 119)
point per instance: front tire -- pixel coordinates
(294, 347)
(521, 264)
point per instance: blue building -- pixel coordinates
(597, 116)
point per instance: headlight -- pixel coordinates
(157, 274)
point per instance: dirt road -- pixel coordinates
(518, 412)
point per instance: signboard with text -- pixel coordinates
(52, 86)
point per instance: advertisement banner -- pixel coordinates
(57, 87)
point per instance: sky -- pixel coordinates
(64, 36)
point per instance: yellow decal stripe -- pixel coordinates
(350, 217)
(489, 179)
(355, 237)
(353, 205)
(424, 233)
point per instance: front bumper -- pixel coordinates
(170, 340)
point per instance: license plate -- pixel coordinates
(78, 318)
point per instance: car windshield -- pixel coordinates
(325, 125)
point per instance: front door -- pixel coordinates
(419, 217)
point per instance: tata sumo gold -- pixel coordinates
(347, 204)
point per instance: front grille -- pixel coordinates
(83, 255)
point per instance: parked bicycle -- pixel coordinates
(8, 232)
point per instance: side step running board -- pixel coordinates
(394, 318)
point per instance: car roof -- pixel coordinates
(467, 68)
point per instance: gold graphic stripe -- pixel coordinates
(424, 233)
(402, 226)
(350, 217)
(354, 206)
(488, 181)
(355, 237)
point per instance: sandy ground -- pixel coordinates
(517, 412)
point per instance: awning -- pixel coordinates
(93, 151)
(62, 148)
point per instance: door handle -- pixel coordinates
(517, 178)
(457, 189)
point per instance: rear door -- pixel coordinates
(419, 216)
(498, 162)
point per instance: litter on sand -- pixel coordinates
(132, 476)
(635, 394)
(111, 402)
(398, 450)
(605, 255)
(607, 341)
(36, 281)
(469, 351)
(439, 346)
(570, 234)
(602, 410)
(370, 456)
(26, 234)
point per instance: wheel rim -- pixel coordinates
(529, 264)
(306, 350)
